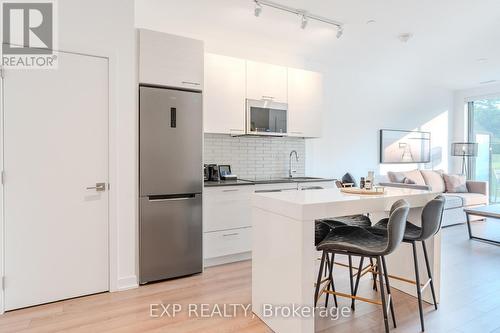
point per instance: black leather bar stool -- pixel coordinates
(356, 241)
(327, 225)
(432, 215)
(324, 226)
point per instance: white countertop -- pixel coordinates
(313, 204)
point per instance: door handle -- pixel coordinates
(99, 187)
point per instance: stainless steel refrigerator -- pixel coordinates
(170, 177)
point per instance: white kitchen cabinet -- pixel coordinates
(227, 207)
(227, 242)
(170, 60)
(266, 81)
(224, 94)
(227, 221)
(305, 103)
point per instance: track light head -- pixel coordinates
(258, 8)
(340, 32)
(303, 21)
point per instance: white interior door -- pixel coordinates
(56, 145)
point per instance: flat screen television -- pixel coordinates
(399, 146)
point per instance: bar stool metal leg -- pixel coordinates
(417, 281)
(374, 275)
(389, 293)
(382, 295)
(318, 282)
(358, 277)
(328, 268)
(331, 283)
(429, 274)
(351, 280)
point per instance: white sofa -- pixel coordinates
(477, 194)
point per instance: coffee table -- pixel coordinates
(489, 211)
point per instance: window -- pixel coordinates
(484, 128)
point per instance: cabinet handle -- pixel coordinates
(230, 190)
(233, 234)
(236, 130)
(297, 132)
(267, 97)
(193, 83)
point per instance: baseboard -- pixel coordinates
(227, 259)
(126, 283)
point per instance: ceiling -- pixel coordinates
(455, 43)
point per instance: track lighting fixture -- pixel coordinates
(340, 32)
(304, 16)
(303, 20)
(258, 8)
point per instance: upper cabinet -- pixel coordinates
(169, 60)
(229, 82)
(224, 95)
(265, 81)
(305, 103)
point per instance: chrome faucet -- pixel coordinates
(290, 170)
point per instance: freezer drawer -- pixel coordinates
(170, 237)
(171, 141)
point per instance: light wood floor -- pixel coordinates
(470, 300)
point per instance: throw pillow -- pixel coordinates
(455, 183)
(416, 176)
(434, 179)
(395, 177)
(408, 181)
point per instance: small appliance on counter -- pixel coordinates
(213, 172)
(225, 173)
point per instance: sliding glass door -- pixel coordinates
(484, 128)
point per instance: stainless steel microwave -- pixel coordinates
(265, 117)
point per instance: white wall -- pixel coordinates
(461, 97)
(359, 104)
(106, 28)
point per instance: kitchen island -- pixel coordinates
(284, 264)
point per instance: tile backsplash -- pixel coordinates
(255, 157)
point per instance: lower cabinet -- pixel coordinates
(227, 224)
(228, 242)
(227, 219)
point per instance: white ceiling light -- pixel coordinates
(304, 15)
(405, 37)
(258, 8)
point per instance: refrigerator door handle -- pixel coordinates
(164, 198)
